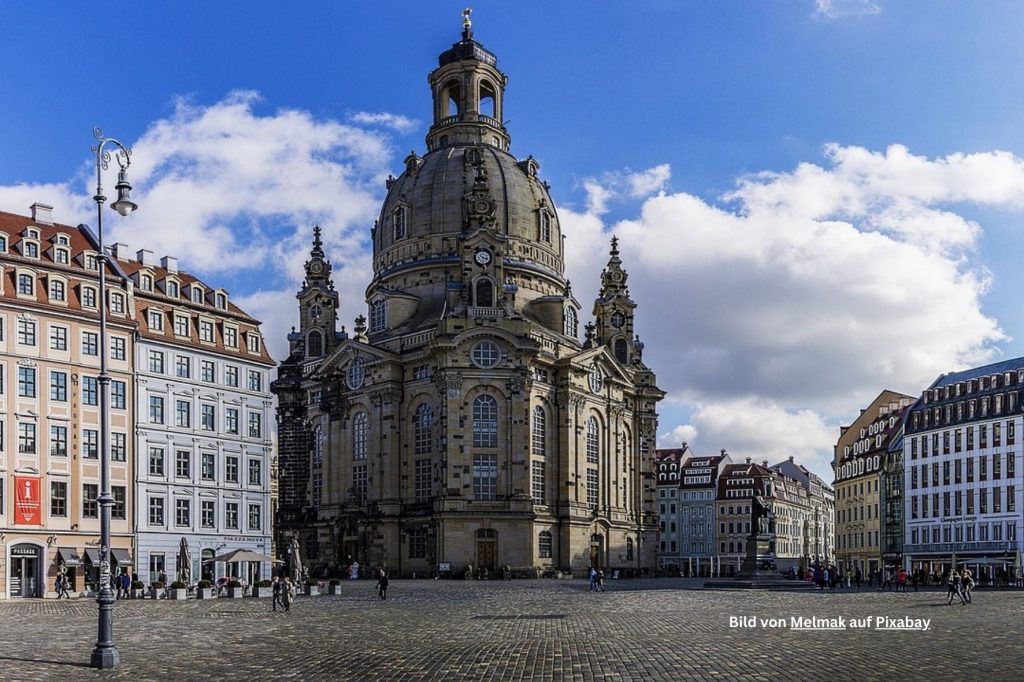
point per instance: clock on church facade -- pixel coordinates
(463, 422)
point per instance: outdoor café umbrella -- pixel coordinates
(184, 565)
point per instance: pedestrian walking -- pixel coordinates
(953, 588)
(277, 593)
(966, 584)
(856, 578)
(382, 584)
(901, 580)
(600, 581)
(287, 591)
(593, 579)
(126, 585)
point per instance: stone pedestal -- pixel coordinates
(758, 571)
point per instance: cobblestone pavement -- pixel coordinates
(522, 630)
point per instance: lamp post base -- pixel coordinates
(105, 658)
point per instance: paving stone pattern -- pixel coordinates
(519, 630)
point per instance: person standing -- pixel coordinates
(600, 581)
(953, 588)
(126, 584)
(277, 593)
(966, 584)
(382, 584)
(593, 579)
(856, 578)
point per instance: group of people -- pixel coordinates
(284, 591)
(959, 584)
(122, 584)
(61, 586)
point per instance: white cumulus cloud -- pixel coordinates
(837, 9)
(398, 123)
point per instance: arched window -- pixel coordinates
(629, 549)
(422, 423)
(398, 221)
(378, 315)
(540, 431)
(488, 100)
(452, 97)
(484, 293)
(572, 322)
(545, 226)
(593, 440)
(360, 432)
(544, 545)
(314, 344)
(318, 446)
(621, 352)
(485, 422)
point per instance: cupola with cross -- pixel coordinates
(468, 92)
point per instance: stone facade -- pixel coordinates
(464, 423)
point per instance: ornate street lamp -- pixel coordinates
(105, 655)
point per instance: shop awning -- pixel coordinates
(122, 557)
(70, 556)
(92, 555)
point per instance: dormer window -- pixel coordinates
(61, 255)
(31, 250)
(88, 297)
(61, 239)
(57, 291)
(222, 301)
(253, 340)
(197, 295)
(3, 243)
(26, 284)
(399, 222)
(91, 262)
(146, 282)
(117, 303)
(206, 331)
(172, 289)
(156, 320)
(230, 337)
(180, 325)
(32, 233)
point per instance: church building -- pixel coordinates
(464, 422)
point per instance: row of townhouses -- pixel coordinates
(704, 505)
(190, 413)
(920, 483)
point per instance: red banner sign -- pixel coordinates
(27, 509)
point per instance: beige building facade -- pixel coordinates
(464, 424)
(859, 458)
(49, 407)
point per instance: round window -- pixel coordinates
(356, 374)
(596, 379)
(485, 354)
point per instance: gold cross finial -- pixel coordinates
(466, 23)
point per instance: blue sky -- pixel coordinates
(831, 192)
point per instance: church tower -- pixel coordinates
(613, 311)
(465, 425)
(318, 306)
